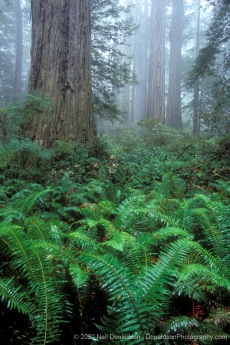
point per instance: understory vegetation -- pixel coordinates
(117, 243)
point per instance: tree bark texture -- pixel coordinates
(61, 71)
(174, 117)
(156, 89)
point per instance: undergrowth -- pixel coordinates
(118, 244)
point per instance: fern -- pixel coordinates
(203, 276)
(137, 311)
(179, 325)
(169, 233)
(219, 318)
(14, 297)
(129, 306)
(34, 266)
(126, 252)
(25, 205)
(166, 270)
(145, 213)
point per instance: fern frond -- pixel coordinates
(206, 258)
(11, 215)
(167, 233)
(193, 291)
(35, 267)
(214, 237)
(203, 276)
(27, 203)
(109, 326)
(79, 276)
(83, 240)
(157, 213)
(136, 210)
(219, 318)
(179, 325)
(209, 221)
(38, 229)
(165, 271)
(121, 241)
(14, 297)
(128, 305)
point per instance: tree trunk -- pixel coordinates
(134, 87)
(156, 81)
(145, 60)
(133, 101)
(18, 61)
(174, 117)
(196, 115)
(61, 71)
(126, 93)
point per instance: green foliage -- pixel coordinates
(158, 134)
(212, 67)
(7, 36)
(110, 73)
(24, 159)
(35, 269)
(16, 117)
(135, 244)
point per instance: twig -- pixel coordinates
(184, 151)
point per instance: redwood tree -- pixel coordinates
(174, 117)
(196, 115)
(61, 71)
(18, 62)
(156, 81)
(145, 60)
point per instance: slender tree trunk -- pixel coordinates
(138, 64)
(126, 94)
(145, 62)
(61, 70)
(196, 115)
(156, 82)
(18, 61)
(133, 101)
(174, 117)
(125, 103)
(134, 86)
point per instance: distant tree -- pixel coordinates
(126, 91)
(140, 55)
(125, 102)
(18, 62)
(213, 66)
(14, 49)
(112, 27)
(174, 117)
(61, 71)
(144, 61)
(196, 113)
(7, 51)
(217, 38)
(156, 79)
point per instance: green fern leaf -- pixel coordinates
(14, 297)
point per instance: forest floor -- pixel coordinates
(80, 228)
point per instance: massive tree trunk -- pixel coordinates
(156, 89)
(61, 71)
(18, 62)
(174, 117)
